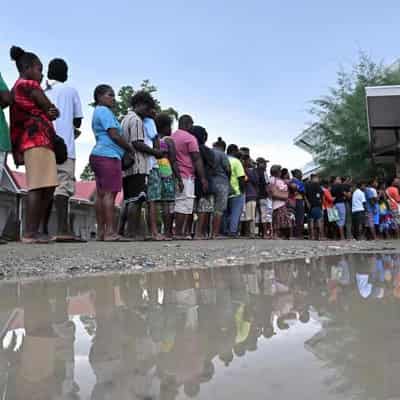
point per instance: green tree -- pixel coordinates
(340, 126)
(87, 173)
(121, 109)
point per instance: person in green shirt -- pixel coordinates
(5, 142)
(237, 197)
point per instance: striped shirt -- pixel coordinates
(132, 131)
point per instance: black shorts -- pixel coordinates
(135, 188)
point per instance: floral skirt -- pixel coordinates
(281, 218)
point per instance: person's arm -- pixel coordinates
(242, 184)
(77, 122)
(5, 95)
(174, 164)
(5, 98)
(139, 145)
(43, 102)
(199, 167)
(120, 140)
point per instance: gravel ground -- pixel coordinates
(65, 260)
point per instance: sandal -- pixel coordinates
(116, 238)
(35, 240)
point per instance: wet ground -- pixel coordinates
(321, 328)
(66, 260)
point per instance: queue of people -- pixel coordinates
(186, 188)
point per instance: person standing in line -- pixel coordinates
(251, 187)
(189, 162)
(169, 172)
(348, 187)
(393, 194)
(314, 196)
(105, 161)
(358, 210)
(204, 200)
(278, 188)
(237, 196)
(32, 137)
(135, 178)
(220, 185)
(299, 207)
(340, 192)
(327, 206)
(264, 201)
(372, 208)
(154, 179)
(67, 100)
(5, 142)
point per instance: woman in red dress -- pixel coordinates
(32, 136)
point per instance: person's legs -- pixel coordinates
(236, 207)
(180, 224)
(46, 219)
(154, 190)
(200, 226)
(348, 221)
(168, 218)
(99, 214)
(33, 213)
(47, 199)
(184, 210)
(123, 219)
(356, 226)
(109, 214)
(61, 203)
(134, 216)
(152, 217)
(252, 207)
(341, 207)
(62, 194)
(311, 230)
(299, 218)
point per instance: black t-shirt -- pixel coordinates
(314, 194)
(338, 191)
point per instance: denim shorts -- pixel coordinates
(341, 207)
(315, 214)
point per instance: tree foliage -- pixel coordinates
(340, 125)
(121, 109)
(87, 173)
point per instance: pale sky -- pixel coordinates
(246, 71)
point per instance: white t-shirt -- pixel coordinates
(67, 100)
(358, 201)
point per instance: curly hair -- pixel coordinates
(143, 97)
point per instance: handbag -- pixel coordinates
(333, 214)
(127, 161)
(60, 149)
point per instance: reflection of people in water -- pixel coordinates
(41, 370)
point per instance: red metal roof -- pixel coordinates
(84, 190)
(19, 179)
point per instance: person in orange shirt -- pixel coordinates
(393, 195)
(327, 203)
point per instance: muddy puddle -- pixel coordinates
(325, 328)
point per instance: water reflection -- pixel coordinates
(178, 335)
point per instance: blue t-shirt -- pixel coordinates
(104, 119)
(370, 193)
(300, 185)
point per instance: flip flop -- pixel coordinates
(69, 239)
(36, 240)
(117, 238)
